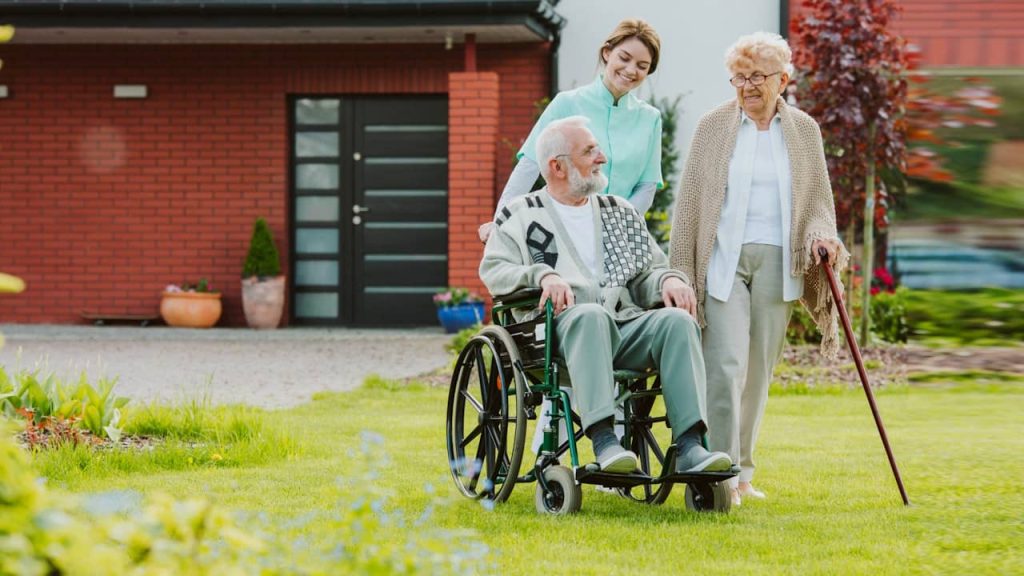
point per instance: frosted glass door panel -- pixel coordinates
(316, 305)
(316, 272)
(316, 144)
(319, 111)
(316, 176)
(316, 209)
(316, 241)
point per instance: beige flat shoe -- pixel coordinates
(736, 500)
(747, 490)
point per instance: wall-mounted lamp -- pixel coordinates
(448, 41)
(3, 91)
(130, 91)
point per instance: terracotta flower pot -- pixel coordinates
(263, 301)
(190, 309)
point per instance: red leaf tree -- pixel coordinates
(850, 78)
(932, 117)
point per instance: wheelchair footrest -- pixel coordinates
(699, 477)
(584, 476)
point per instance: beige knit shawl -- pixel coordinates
(702, 193)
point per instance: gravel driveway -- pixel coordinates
(271, 369)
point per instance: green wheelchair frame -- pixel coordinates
(512, 367)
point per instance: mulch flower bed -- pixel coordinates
(36, 438)
(885, 365)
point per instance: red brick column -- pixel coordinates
(473, 104)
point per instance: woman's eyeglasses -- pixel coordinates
(755, 79)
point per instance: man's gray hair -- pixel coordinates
(554, 142)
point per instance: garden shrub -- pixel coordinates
(889, 316)
(992, 316)
(988, 317)
(263, 259)
(889, 322)
(461, 338)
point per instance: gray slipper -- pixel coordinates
(698, 459)
(617, 460)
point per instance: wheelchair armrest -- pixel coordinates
(526, 297)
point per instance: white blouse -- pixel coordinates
(749, 214)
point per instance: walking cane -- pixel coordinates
(855, 352)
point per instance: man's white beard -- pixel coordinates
(582, 187)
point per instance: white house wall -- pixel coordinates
(694, 37)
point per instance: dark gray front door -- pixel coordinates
(370, 209)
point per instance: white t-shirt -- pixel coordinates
(764, 210)
(579, 224)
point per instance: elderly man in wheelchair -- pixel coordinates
(599, 274)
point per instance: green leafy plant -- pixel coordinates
(658, 222)
(989, 317)
(889, 316)
(263, 260)
(889, 321)
(95, 409)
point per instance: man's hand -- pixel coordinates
(676, 294)
(484, 231)
(831, 246)
(558, 291)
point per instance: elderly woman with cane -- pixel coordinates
(753, 208)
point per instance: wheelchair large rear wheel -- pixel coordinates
(486, 417)
(652, 458)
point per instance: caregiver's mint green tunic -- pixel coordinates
(629, 134)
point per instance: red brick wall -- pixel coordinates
(473, 110)
(982, 33)
(105, 201)
(524, 73)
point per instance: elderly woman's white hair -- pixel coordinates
(760, 46)
(553, 141)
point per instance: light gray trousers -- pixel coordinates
(667, 339)
(743, 340)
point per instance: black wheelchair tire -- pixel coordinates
(564, 495)
(709, 497)
(497, 457)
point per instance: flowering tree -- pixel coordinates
(850, 78)
(932, 116)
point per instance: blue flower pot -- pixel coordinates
(455, 318)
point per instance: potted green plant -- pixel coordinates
(458, 308)
(262, 282)
(189, 305)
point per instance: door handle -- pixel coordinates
(357, 209)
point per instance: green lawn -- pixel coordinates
(833, 507)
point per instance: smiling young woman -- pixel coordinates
(627, 129)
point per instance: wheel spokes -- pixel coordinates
(476, 404)
(477, 463)
(481, 374)
(472, 436)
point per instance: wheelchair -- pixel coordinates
(502, 376)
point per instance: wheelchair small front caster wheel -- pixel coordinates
(563, 496)
(706, 497)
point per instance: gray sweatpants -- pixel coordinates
(666, 339)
